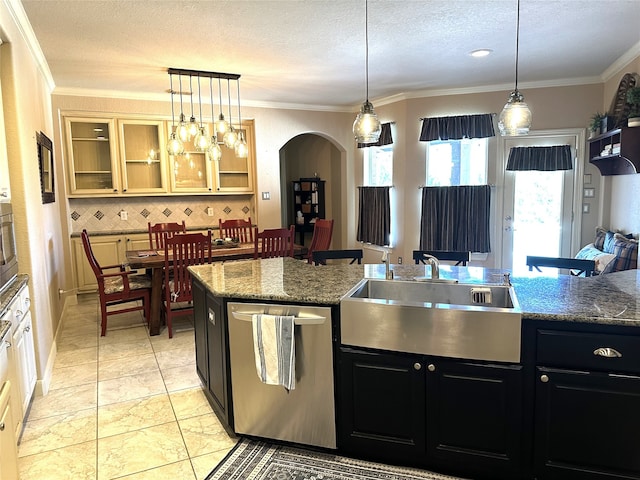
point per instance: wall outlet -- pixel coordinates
(124, 215)
(210, 211)
(399, 260)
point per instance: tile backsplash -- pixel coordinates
(106, 214)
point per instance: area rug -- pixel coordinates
(258, 460)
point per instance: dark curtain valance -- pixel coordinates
(374, 217)
(385, 138)
(556, 157)
(457, 128)
(455, 218)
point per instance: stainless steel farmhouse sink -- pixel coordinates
(456, 320)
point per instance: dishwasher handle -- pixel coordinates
(307, 320)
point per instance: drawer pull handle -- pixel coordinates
(607, 352)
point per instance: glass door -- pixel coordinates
(538, 207)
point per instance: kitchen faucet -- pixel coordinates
(388, 273)
(435, 266)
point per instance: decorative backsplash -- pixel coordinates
(105, 214)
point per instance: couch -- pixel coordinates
(611, 251)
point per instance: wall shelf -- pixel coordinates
(616, 152)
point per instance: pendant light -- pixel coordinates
(201, 139)
(240, 147)
(214, 153)
(183, 128)
(221, 125)
(174, 145)
(230, 137)
(366, 127)
(192, 128)
(515, 118)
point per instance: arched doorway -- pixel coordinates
(306, 156)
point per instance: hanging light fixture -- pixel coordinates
(192, 128)
(174, 145)
(366, 127)
(202, 141)
(231, 136)
(515, 118)
(241, 144)
(214, 153)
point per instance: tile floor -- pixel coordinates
(125, 406)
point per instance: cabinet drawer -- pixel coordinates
(589, 351)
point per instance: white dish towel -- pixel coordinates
(274, 349)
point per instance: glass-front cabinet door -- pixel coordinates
(233, 174)
(191, 173)
(93, 166)
(143, 156)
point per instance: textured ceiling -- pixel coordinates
(312, 52)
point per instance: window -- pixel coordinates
(457, 162)
(378, 166)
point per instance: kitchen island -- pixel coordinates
(568, 409)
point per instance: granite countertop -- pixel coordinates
(9, 293)
(606, 299)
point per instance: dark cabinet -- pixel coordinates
(458, 416)
(212, 355)
(475, 416)
(587, 409)
(616, 152)
(308, 205)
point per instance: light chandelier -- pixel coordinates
(515, 118)
(194, 135)
(366, 127)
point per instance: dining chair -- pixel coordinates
(236, 228)
(274, 242)
(118, 287)
(576, 266)
(321, 239)
(461, 258)
(182, 251)
(320, 257)
(159, 232)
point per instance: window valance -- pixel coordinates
(385, 138)
(555, 157)
(457, 128)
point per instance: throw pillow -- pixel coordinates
(601, 234)
(590, 252)
(626, 253)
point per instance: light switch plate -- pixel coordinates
(266, 195)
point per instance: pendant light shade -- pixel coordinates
(174, 145)
(515, 118)
(366, 127)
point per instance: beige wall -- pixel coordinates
(27, 110)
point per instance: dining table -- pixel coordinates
(153, 261)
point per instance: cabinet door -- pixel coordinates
(5, 189)
(200, 332)
(474, 416)
(92, 156)
(587, 425)
(191, 173)
(382, 405)
(108, 250)
(143, 156)
(233, 174)
(8, 449)
(217, 359)
(26, 360)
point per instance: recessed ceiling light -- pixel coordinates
(481, 52)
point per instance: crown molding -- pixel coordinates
(621, 62)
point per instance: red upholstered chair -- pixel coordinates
(236, 228)
(321, 239)
(274, 242)
(159, 232)
(117, 287)
(182, 251)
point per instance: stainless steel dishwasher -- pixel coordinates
(305, 415)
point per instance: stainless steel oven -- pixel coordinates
(8, 255)
(304, 415)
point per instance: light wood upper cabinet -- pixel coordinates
(143, 156)
(92, 156)
(233, 174)
(191, 173)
